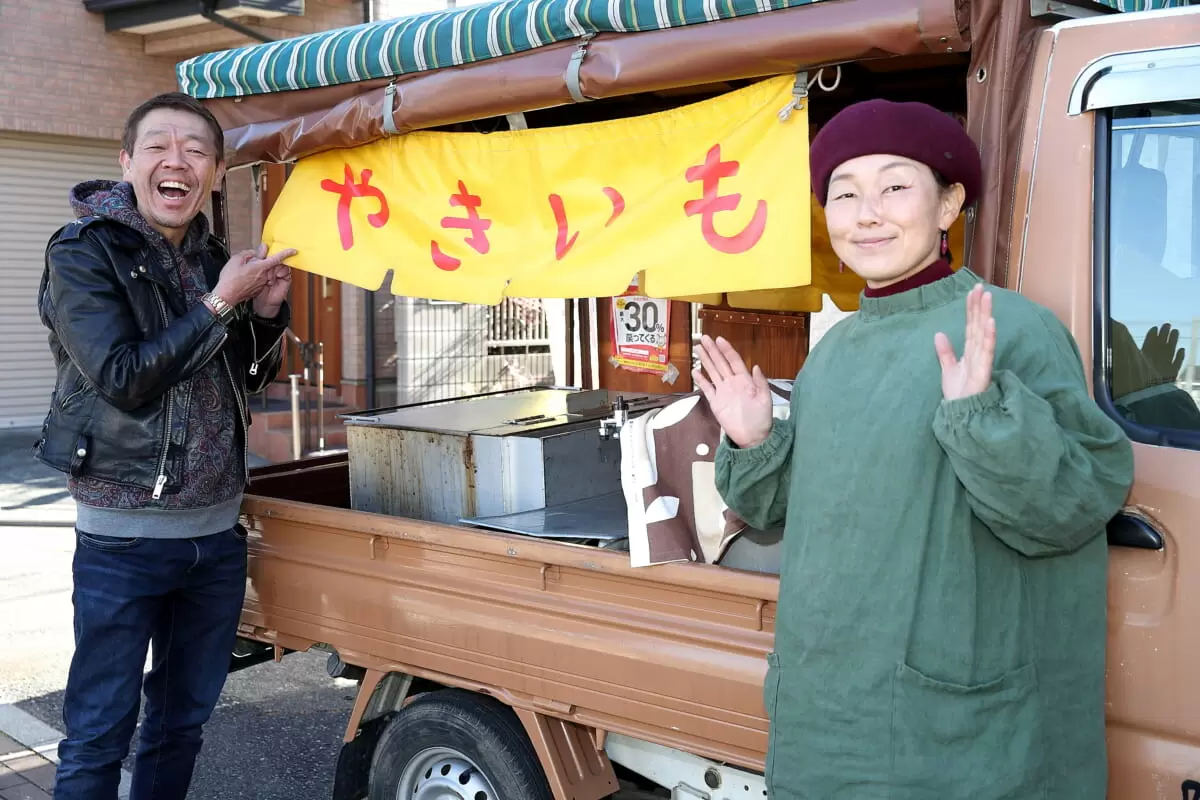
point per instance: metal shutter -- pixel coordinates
(36, 173)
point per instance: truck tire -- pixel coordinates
(453, 743)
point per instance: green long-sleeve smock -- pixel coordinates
(940, 632)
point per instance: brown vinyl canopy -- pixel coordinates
(283, 126)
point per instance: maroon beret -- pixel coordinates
(912, 130)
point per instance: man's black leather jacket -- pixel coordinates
(125, 345)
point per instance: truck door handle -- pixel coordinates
(1126, 530)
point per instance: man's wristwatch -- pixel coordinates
(220, 309)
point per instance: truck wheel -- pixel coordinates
(458, 745)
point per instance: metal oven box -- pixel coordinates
(487, 455)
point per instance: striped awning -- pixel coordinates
(1144, 5)
(440, 39)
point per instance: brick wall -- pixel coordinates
(319, 15)
(245, 216)
(62, 74)
(354, 350)
(387, 9)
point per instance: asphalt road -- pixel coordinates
(275, 734)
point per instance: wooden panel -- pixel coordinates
(317, 317)
(679, 352)
(777, 341)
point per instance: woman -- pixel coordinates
(941, 623)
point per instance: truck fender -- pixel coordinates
(380, 695)
(572, 756)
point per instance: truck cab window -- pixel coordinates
(1154, 269)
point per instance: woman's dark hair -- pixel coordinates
(174, 101)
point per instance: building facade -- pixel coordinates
(72, 72)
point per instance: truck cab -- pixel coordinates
(1107, 234)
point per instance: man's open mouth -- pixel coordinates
(174, 190)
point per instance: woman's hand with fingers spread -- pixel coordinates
(739, 399)
(971, 374)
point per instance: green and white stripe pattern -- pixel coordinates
(440, 39)
(1145, 5)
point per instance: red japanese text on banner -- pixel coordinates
(710, 197)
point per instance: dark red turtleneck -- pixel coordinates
(934, 272)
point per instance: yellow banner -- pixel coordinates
(711, 197)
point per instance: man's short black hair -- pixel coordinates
(175, 101)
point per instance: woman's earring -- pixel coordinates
(841, 266)
(946, 245)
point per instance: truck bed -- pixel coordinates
(674, 654)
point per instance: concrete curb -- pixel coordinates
(48, 518)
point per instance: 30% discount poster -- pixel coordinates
(640, 328)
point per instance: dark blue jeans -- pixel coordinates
(185, 595)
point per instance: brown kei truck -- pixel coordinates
(515, 666)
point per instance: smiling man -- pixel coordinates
(157, 336)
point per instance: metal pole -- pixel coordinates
(569, 335)
(311, 336)
(587, 320)
(295, 379)
(307, 396)
(369, 334)
(321, 396)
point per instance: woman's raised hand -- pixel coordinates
(739, 399)
(971, 374)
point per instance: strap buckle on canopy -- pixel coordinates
(389, 110)
(803, 84)
(573, 67)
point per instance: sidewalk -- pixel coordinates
(31, 494)
(24, 774)
(29, 758)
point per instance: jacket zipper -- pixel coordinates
(161, 482)
(72, 396)
(257, 359)
(241, 416)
